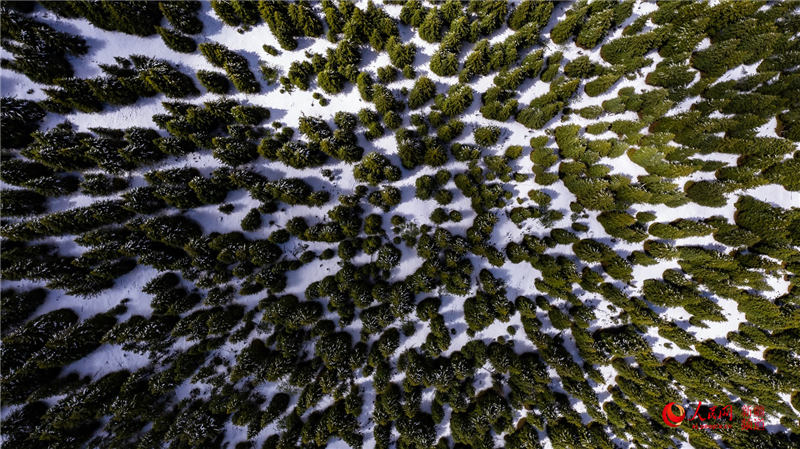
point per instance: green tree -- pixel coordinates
(177, 41)
(424, 89)
(251, 220)
(530, 11)
(432, 26)
(214, 82)
(486, 136)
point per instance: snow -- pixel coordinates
(106, 359)
(289, 107)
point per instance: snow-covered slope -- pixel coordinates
(211, 381)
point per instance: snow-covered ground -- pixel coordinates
(289, 107)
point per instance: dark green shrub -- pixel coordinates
(235, 66)
(177, 41)
(530, 12)
(596, 27)
(19, 119)
(424, 89)
(601, 84)
(214, 82)
(101, 185)
(707, 193)
(486, 136)
(571, 23)
(450, 130)
(39, 51)
(182, 15)
(444, 63)
(251, 220)
(163, 77)
(375, 169)
(432, 26)
(387, 74)
(19, 203)
(459, 97)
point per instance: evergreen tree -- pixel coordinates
(177, 41)
(444, 63)
(225, 10)
(432, 26)
(19, 119)
(163, 77)
(214, 82)
(304, 19)
(252, 220)
(40, 52)
(529, 11)
(486, 135)
(424, 89)
(280, 23)
(182, 15)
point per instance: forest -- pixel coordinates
(406, 224)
